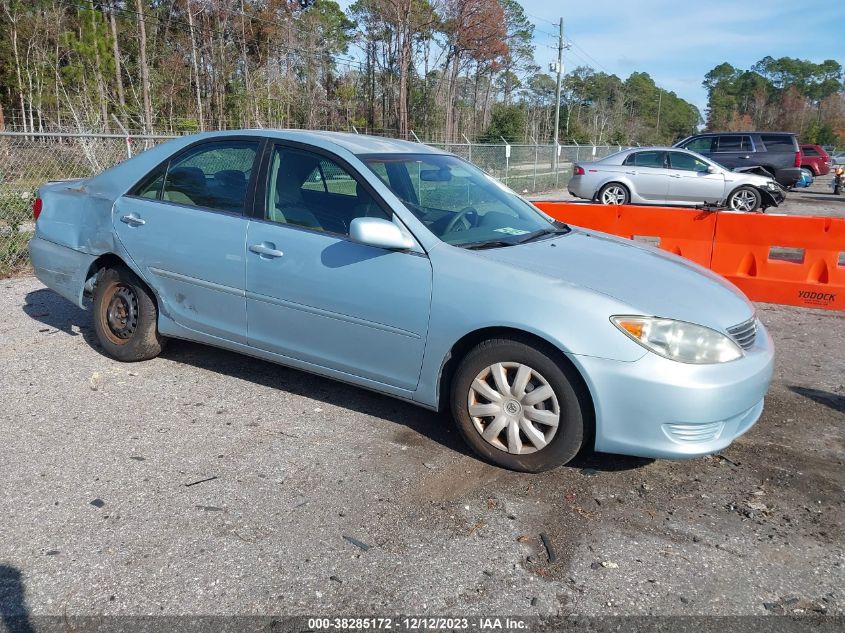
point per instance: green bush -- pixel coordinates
(15, 207)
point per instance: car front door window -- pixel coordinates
(687, 162)
(314, 192)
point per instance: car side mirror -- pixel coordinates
(711, 169)
(380, 233)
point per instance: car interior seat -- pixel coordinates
(286, 204)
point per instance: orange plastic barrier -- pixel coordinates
(783, 258)
(792, 260)
(685, 232)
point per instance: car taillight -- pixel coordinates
(797, 159)
(36, 208)
(579, 171)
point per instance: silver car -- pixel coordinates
(660, 175)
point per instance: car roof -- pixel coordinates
(360, 144)
(741, 132)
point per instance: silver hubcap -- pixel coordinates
(613, 195)
(743, 201)
(513, 408)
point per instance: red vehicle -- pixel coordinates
(814, 158)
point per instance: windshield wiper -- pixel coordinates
(477, 246)
(531, 237)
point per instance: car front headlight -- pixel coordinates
(772, 185)
(679, 340)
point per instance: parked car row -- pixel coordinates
(740, 171)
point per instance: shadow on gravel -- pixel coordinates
(53, 310)
(589, 461)
(423, 422)
(13, 610)
(832, 400)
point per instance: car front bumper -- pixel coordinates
(659, 408)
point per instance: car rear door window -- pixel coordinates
(307, 190)
(734, 143)
(151, 186)
(212, 175)
(647, 159)
(779, 142)
(809, 151)
(686, 162)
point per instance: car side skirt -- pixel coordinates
(170, 328)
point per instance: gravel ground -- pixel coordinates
(204, 482)
(817, 199)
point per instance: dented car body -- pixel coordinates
(405, 270)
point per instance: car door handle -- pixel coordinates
(265, 249)
(674, 175)
(132, 220)
(631, 173)
(745, 157)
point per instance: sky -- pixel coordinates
(677, 43)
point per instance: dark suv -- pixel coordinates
(777, 152)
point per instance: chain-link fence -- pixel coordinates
(528, 168)
(28, 160)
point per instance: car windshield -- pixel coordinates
(459, 203)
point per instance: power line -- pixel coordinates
(595, 61)
(537, 17)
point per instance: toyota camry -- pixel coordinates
(408, 271)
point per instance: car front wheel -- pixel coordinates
(516, 407)
(744, 199)
(125, 316)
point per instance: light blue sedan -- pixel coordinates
(406, 270)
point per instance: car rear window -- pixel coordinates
(779, 142)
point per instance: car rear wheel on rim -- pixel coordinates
(125, 316)
(517, 407)
(745, 199)
(614, 193)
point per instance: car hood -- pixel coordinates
(754, 172)
(652, 282)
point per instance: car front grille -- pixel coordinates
(745, 333)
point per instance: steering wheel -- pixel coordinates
(461, 216)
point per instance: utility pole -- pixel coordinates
(659, 103)
(557, 102)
